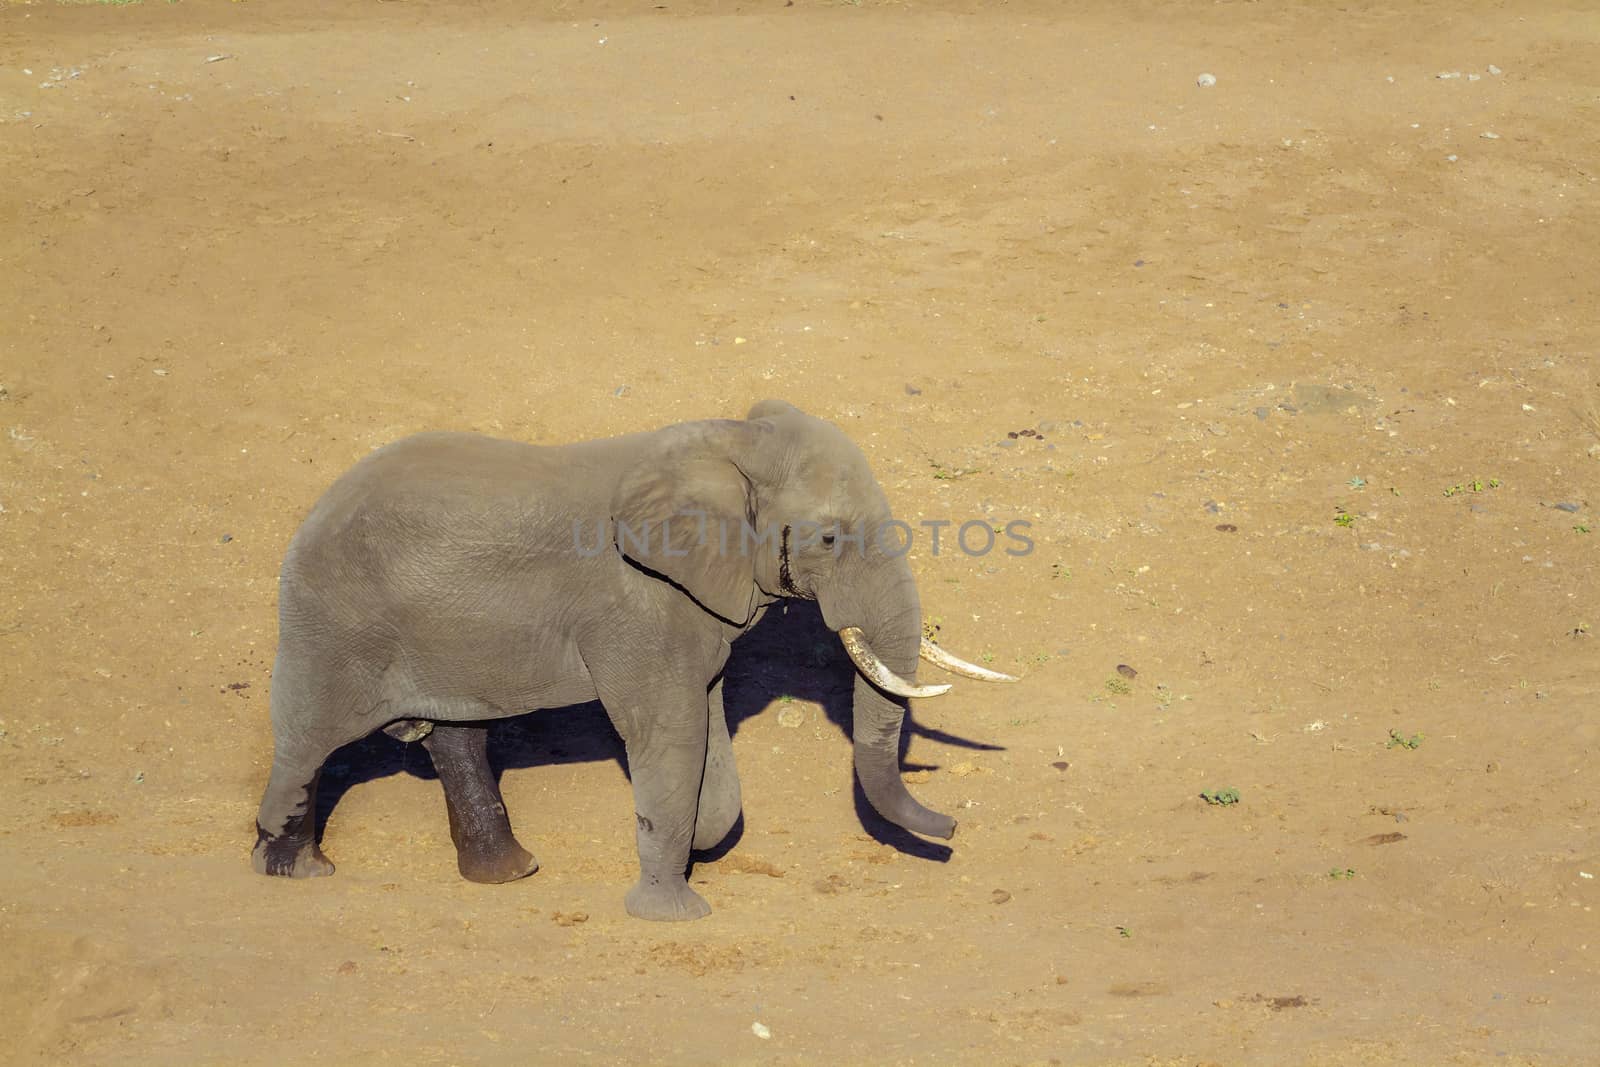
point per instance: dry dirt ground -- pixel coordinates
(1309, 357)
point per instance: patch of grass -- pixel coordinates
(1124, 932)
(1343, 518)
(1118, 686)
(1477, 485)
(950, 474)
(1345, 874)
(1581, 527)
(1220, 797)
(1398, 740)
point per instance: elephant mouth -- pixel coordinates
(878, 673)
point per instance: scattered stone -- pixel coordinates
(1567, 506)
(916, 777)
(563, 918)
(740, 864)
(912, 390)
(760, 1031)
(1489, 135)
(1496, 71)
(225, 538)
(1000, 896)
(1443, 75)
(1262, 413)
(1126, 671)
(347, 967)
(1206, 81)
(1452, 157)
(1060, 764)
(1227, 527)
(619, 391)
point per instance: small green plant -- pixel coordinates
(1477, 485)
(1118, 686)
(1342, 875)
(1060, 570)
(1222, 797)
(1358, 482)
(950, 474)
(1581, 527)
(1397, 740)
(1124, 932)
(1344, 518)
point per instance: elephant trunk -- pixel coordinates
(894, 638)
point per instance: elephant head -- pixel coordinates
(783, 504)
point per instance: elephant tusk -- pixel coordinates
(956, 665)
(876, 672)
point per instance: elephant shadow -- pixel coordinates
(789, 655)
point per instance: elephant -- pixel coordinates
(450, 579)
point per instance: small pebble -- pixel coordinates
(621, 390)
(1126, 671)
(1206, 81)
(1567, 506)
(225, 538)
(1495, 70)
(912, 390)
(760, 1031)
(1000, 896)
(1489, 135)
(1452, 157)
(1473, 77)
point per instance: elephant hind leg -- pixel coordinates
(286, 824)
(486, 851)
(720, 800)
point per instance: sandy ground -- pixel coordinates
(1309, 358)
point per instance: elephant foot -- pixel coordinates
(287, 856)
(661, 899)
(510, 862)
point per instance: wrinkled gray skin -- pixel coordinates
(437, 585)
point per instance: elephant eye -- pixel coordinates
(827, 540)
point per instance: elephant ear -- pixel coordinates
(768, 409)
(680, 514)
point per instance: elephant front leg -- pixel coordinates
(719, 803)
(486, 851)
(667, 764)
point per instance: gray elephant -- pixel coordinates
(450, 578)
